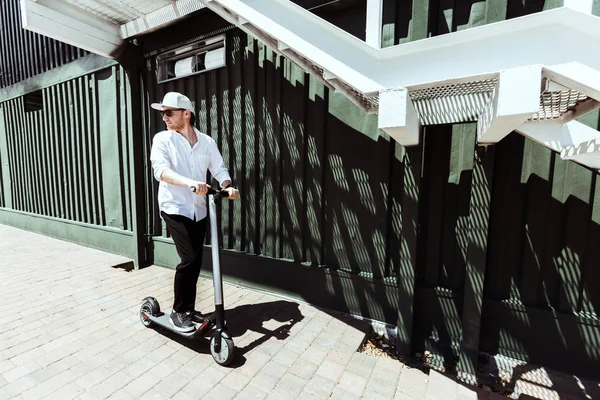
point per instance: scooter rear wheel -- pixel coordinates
(225, 355)
(149, 307)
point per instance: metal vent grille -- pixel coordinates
(555, 103)
(459, 89)
(120, 11)
(461, 102)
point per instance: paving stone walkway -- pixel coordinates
(70, 328)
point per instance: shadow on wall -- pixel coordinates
(542, 292)
(316, 191)
(444, 234)
(325, 207)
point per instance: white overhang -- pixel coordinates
(73, 25)
(505, 75)
(557, 136)
(153, 19)
(102, 26)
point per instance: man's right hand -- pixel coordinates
(201, 188)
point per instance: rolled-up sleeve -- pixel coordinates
(217, 165)
(159, 156)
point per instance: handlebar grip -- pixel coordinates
(221, 193)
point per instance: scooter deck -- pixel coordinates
(163, 320)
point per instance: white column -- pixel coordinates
(516, 98)
(374, 21)
(398, 116)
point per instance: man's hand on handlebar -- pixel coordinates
(233, 193)
(200, 188)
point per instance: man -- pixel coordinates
(181, 156)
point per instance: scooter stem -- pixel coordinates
(217, 281)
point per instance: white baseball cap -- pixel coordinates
(174, 100)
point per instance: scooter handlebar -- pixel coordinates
(221, 193)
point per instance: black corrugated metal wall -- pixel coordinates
(272, 122)
(323, 187)
(542, 287)
(297, 153)
(540, 274)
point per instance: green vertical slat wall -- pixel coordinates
(70, 159)
(5, 178)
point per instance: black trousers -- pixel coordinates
(188, 236)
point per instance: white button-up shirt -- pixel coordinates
(171, 150)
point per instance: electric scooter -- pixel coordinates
(222, 347)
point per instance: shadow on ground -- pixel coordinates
(243, 319)
(273, 319)
(251, 317)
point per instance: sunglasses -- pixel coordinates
(169, 113)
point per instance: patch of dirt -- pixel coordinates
(379, 346)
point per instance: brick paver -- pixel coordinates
(70, 329)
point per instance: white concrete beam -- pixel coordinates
(75, 26)
(556, 136)
(374, 23)
(463, 54)
(476, 50)
(516, 98)
(398, 116)
(317, 40)
(575, 76)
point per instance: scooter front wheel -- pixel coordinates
(222, 348)
(150, 307)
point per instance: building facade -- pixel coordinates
(463, 247)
